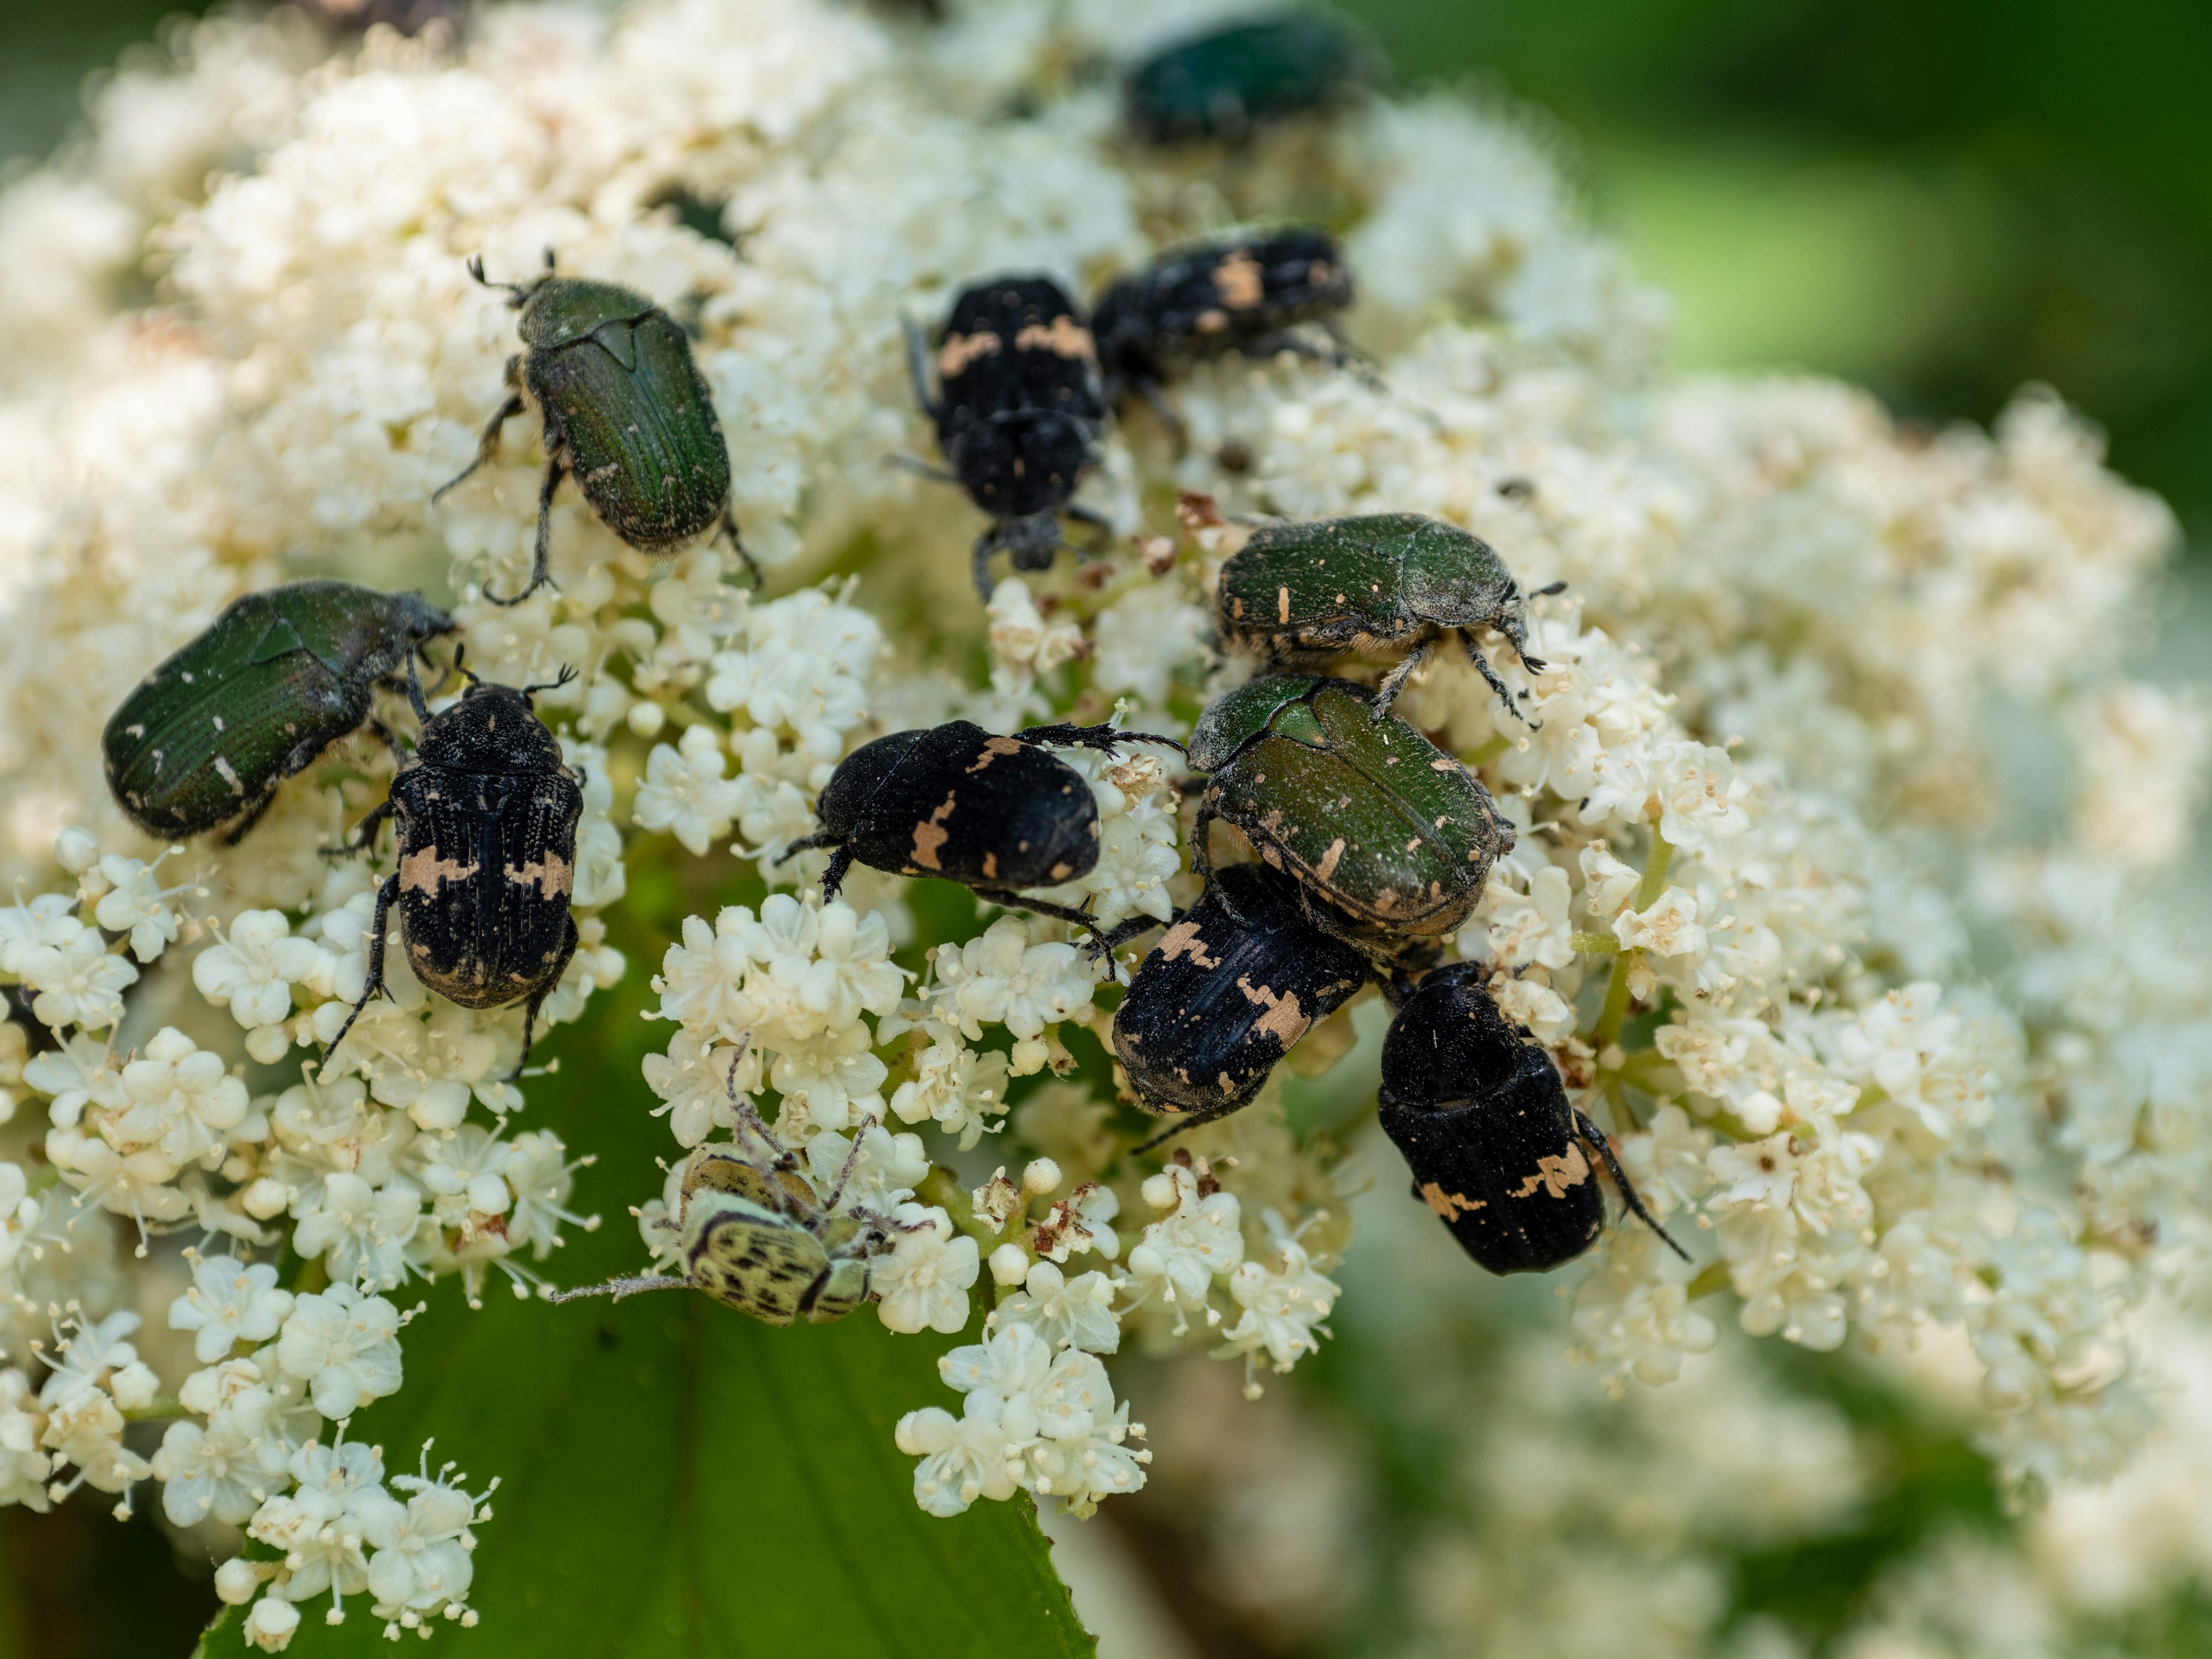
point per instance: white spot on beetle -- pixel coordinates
(224, 770)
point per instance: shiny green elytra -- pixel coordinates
(1224, 82)
(623, 406)
(1371, 816)
(757, 1238)
(1330, 586)
(275, 680)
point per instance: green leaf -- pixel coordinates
(676, 1478)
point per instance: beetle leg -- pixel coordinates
(386, 896)
(541, 571)
(538, 996)
(1103, 944)
(852, 1161)
(390, 739)
(1084, 515)
(487, 445)
(1108, 738)
(1603, 1146)
(364, 834)
(1394, 682)
(917, 367)
(253, 815)
(833, 879)
(1482, 667)
(619, 1288)
(1155, 399)
(1014, 901)
(986, 544)
(737, 544)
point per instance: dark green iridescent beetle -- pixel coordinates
(1305, 593)
(623, 406)
(1395, 837)
(1227, 80)
(275, 680)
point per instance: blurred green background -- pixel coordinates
(1940, 199)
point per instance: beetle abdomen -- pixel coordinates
(639, 427)
(1218, 1002)
(487, 866)
(979, 809)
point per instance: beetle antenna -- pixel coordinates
(1549, 589)
(1603, 1145)
(564, 678)
(516, 293)
(619, 1288)
(852, 1163)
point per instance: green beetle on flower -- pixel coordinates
(1393, 836)
(256, 698)
(623, 406)
(1305, 593)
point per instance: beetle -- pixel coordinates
(756, 1237)
(1236, 294)
(1018, 409)
(994, 813)
(486, 824)
(1481, 1114)
(1393, 834)
(1228, 80)
(1307, 592)
(256, 698)
(1227, 992)
(622, 405)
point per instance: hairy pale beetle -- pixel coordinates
(754, 1235)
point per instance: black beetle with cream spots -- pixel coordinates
(1481, 1114)
(269, 685)
(994, 813)
(1245, 294)
(485, 816)
(1224, 994)
(1018, 406)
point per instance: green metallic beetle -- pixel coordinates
(1393, 834)
(1235, 77)
(623, 406)
(1304, 593)
(755, 1238)
(273, 681)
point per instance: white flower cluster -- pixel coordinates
(1751, 794)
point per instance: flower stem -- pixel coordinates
(161, 1407)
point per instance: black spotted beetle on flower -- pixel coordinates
(1393, 836)
(621, 405)
(1306, 592)
(1226, 994)
(485, 816)
(1480, 1114)
(1229, 80)
(994, 813)
(255, 698)
(1245, 293)
(1018, 406)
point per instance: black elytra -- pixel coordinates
(1227, 992)
(1479, 1112)
(485, 816)
(1018, 406)
(993, 813)
(1244, 294)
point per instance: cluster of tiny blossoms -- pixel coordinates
(1756, 856)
